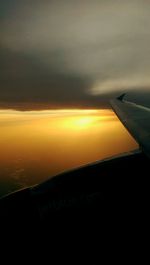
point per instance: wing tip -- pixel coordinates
(121, 97)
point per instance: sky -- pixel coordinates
(73, 53)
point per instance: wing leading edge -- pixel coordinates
(136, 119)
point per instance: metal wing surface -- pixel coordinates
(136, 119)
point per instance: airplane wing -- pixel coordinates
(136, 119)
(102, 202)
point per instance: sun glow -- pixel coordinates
(79, 122)
(84, 121)
(38, 144)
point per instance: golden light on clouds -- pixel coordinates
(38, 144)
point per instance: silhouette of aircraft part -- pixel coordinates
(110, 185)
(136, 119)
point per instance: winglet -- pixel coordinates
(121, 97)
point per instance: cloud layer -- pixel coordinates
(72, 53)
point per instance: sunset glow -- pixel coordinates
(36, 145)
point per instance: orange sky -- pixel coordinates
(38, 144)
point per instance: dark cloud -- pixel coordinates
(72, 53)
(27, 82)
